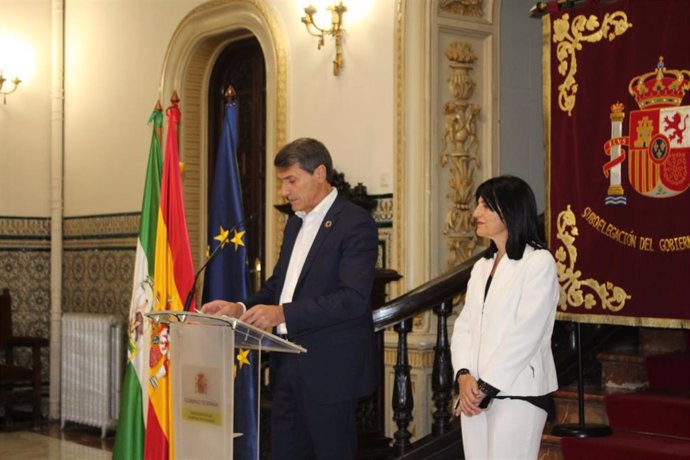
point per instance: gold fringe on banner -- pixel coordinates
(625, 320)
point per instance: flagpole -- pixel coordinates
(227, 277)
(131, 432)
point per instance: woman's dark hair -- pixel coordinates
(513, 200)
(308, 153)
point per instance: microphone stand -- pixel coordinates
(192, 291)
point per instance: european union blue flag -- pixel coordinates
(227, 275)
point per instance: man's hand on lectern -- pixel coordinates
(264, 316)
(223, 308)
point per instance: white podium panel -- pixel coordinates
(202, 378)
(201, 361)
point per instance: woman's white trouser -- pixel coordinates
(509, 429)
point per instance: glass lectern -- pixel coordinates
(202, 378)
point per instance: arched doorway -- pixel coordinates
(200, 38)
(241, 64)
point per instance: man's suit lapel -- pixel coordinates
(329, 222)
(292, 228)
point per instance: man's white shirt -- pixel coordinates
(311, 222)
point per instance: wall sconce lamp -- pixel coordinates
(5, 92)
(336, 30)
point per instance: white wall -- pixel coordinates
(114, 52)
(25, 119)
(114, 56)
(353, 113)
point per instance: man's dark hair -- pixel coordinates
(308, 153)
(513, 200)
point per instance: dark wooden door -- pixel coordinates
(241, 64)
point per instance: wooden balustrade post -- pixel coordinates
(403, 401)
(442, 372)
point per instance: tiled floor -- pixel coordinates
(21, 442)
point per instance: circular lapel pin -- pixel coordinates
(328, 224)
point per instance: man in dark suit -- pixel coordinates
(319, 297)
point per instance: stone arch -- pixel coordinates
(190, 56)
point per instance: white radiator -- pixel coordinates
(92, 361)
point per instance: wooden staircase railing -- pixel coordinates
(436, 295)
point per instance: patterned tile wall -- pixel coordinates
(98, 264)
(97, 269)
(25, 270)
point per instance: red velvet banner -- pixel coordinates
(618, 139)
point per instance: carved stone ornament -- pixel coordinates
(462, 7)
(460, 152)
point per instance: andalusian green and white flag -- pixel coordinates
(129, 440)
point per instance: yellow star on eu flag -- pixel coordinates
(243, 358)
(237, 239)
(222, 237)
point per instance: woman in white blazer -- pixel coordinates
(501, 343)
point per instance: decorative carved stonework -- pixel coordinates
(460, 152)
(462, 7)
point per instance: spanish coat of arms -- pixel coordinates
(658, 140)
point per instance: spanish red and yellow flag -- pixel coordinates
(173, 278)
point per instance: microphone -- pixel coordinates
(192, 291)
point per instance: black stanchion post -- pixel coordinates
(581, 429)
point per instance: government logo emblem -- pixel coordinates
(658, 140)
(201, 384)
